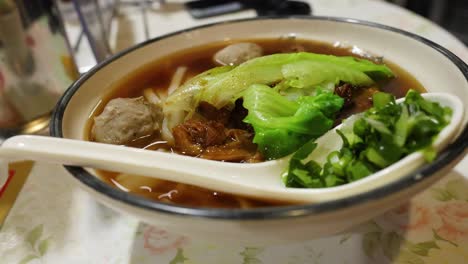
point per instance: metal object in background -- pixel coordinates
(95, 17)
(36, 65)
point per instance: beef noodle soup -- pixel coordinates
(199, 136)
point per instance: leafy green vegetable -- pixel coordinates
(380, 100)
(282, 126)
(184, 100)
(297, 74)
(299, 70)
(384, 134)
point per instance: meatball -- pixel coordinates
(238, 53)
(124, 120)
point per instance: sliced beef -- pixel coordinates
(237, 116)
(238, 147)
(184, 143)
(356, 100)
(345, 91)
(363, 99)
(228, 152)
(192, 137)
(209, 112)
(212, 140)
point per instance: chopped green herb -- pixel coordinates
(383, 135)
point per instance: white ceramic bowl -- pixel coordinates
(435, 67)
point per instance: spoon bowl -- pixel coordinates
(258, 180)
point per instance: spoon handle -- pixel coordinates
(96, 155)
(123, 159)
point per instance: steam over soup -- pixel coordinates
(222, 102)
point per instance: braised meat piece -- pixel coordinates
(212, 136)
(192, 137)
(237, 116)
(345, 91)
(363, 98)
(209, 112)
(359, 100)
(238, 147)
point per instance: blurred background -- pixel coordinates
(137, 20)
(450, 14)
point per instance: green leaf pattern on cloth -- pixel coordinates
(34, 235)
(250, 255)
(371, 243)
(38, 245)
(391, 243)
(179, 258)
(43, 246)
(345, 238)
(407, 257)
(452, 190)
(426, 231)
(422, 248)
(442, 194)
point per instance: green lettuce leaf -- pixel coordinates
(293, 74)
(282, 126)
(183, 101)
(299, 70)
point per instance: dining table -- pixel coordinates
(46, 217)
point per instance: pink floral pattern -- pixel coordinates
(159, 241)
(415, 219)
(454, 216)
(411, 216)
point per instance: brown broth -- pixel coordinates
(157, 75)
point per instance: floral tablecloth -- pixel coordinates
(53, 221)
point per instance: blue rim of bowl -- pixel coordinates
(450, 154)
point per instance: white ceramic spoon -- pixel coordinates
(261, 180)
